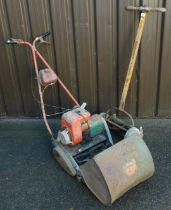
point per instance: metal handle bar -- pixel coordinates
(17, 41)
(145, 9)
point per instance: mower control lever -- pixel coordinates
(83, 105)
(13, 41)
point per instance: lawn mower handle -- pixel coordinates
(20, 41)
(146, 9)
(36, 53)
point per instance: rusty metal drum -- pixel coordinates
(117, 169)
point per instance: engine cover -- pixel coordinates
(75, 122)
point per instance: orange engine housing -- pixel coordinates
(76, 121)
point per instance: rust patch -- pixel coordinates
(130, 167)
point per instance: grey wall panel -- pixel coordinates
(85, 51)
(63, 33)
(106, 54)
(149, 61)
(10, 87)
(164, 103)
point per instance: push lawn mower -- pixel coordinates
(84, 147)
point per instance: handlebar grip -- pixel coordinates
(145, 9)
(13, 41)
(45, 34)
(10, 41)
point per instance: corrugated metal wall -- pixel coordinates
(90, 49)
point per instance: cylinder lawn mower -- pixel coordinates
(84, 147)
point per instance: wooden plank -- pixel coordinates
(86, 54)
(8, 76)
(128, 24)
(61, 11)
(149, 61)
(164, 109)
(106, 53)
(18, 20)
(40, 19)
